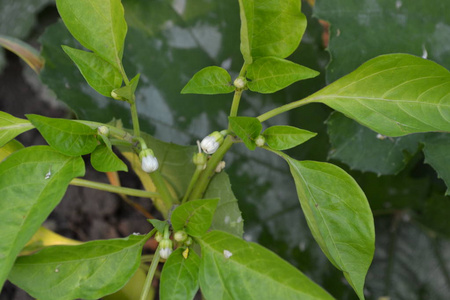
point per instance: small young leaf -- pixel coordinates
(10, 147)
(338, 216)
(126, 93)
(67, 136)
(210, 81)
(88, 271)
(158, 224)
(32, 182)
(104, 159)
(10, 127)
(98, 25)
(179, 276)
(394, 94)
(232, 268)
(100, 74)
(195, 216)
(271, 74)
(286, 137)
(247, 128)
(270, 28)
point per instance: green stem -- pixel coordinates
(194, 179)
(235, 104)
(113, 188)
(135, 118)
(163, 191)
(113, 131)
(276, 111)
(150, 274)
(208, 173)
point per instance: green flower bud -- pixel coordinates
(180, 236)
(158, 236)
(103, 130)
(240, 82)
(260, 141)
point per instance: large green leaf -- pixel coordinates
(101, 75)
(437, 154)
(10, 127)
(227, 216)
(104, 159)
(66, 136)
(284, 137)
(247, 128)
(195, 217)
(179, 276)
(338, 216)
(98, 25)
(232, 268)
(270, 28)
(88, 271)
(394, 95)
(365, 150)
(210, 80)
(32, 182)
(270, 74)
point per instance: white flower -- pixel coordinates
(165, 252)
(148, 160)
(209, 144)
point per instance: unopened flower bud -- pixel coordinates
(212, 142)
(148, 160)
(165, 248)
(240, 82)
(199, 159)
(103, 130)
(116, 96)
(180, 236)
(260, 141)
(220, 166)
(188, 241)
(158, 236)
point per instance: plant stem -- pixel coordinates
(114, 131)
(150, 274)
(113, 188)
(276, 111)
(207, 174)
(135, 118)
(235, 104)
(194, 179)
(163, 191)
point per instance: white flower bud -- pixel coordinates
(103, 130)
(148, 160)
(260, 141)
(220, 166)
(212, 142)
(240, 82)
(165, 252)
(180, 236)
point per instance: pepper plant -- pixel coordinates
(200, 232)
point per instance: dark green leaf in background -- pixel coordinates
(67, 136)
(365, 150)
(246, 128)
(437, 154)
(338, 216)
(88, 271)
(270, 74)
(10, 127)
(284, 137)
(210, 80)
(104, 159)
(195, 217)
(98, 25)
(232, 268)
(101, 75)
(179, 276)
(32, 182)
(270, 28)
(227, 216)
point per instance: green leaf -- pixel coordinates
(98, 25)
(338, 216)
(88, 271)
(195, 217)
(286, 137)
(210, 81)
(126, 93)
(270, 28)
(394, 95)
(365, 150)
(32, 182)
(158, 224)
(232, 268)
(270, 74)
(247, 128)
(104, 159)
(10, 147)
(100, 74)
(437, 152)
(227, 217)
(10, 127)
(67, 136)
(179, 276)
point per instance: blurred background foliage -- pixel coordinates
(169, 40)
